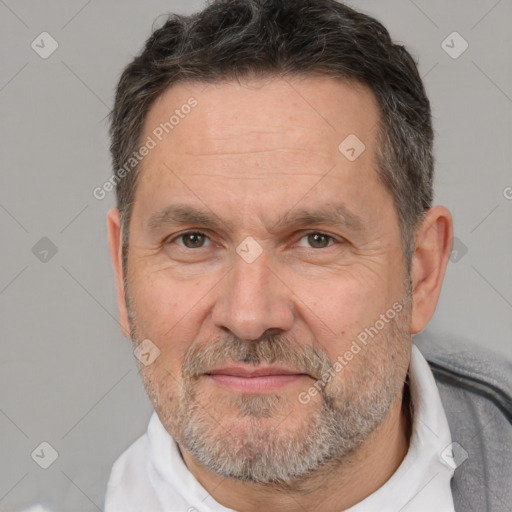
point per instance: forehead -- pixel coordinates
(278, 136)
(296, 111)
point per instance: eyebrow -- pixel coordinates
(183, 214)
(337, 215)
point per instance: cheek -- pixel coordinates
(336, 300)
(166, 312)
(161, 302)
(162, 385)
(339, 309)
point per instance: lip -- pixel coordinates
(248, 372)
(253, 380)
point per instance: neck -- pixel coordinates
(337, 487)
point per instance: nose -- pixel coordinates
(253, 299)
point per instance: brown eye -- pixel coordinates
(193, 240)
(318, 240)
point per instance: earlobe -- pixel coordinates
(433, 246)
(115, 243)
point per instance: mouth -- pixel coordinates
(245, 379)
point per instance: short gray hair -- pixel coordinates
(232, 39)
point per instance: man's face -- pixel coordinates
(259, 252)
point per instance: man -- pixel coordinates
(275, 248)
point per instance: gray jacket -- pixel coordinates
(475, 386)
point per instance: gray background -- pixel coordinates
(68, 376)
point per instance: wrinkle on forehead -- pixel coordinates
(315, 114)
(281, 142)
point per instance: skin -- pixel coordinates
(250, 153)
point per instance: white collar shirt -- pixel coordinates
(152, 476)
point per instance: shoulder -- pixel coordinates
(128, 484)
(466, 369)
(475, 386)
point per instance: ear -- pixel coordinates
(115, 243)
(433, 246)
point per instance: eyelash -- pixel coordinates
(330, 237)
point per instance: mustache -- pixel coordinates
(270, 349)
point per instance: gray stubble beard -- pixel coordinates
(347, 413)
